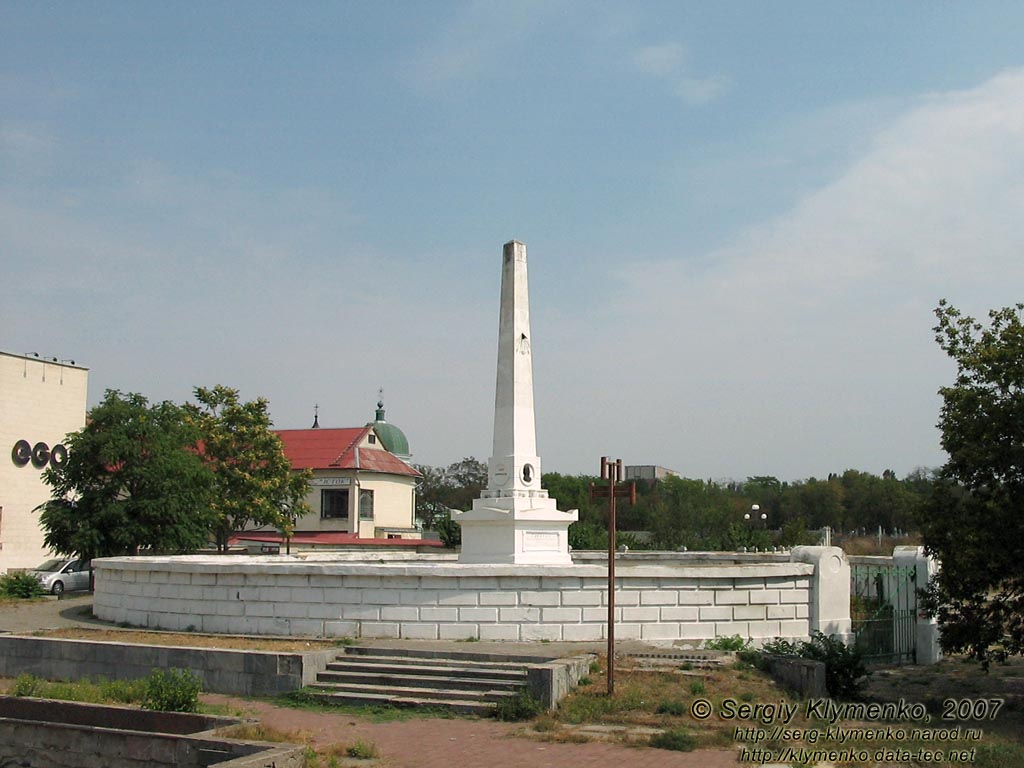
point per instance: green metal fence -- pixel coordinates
(883, 607)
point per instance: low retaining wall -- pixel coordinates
(42, 733)
(441, 600)
(235, 672)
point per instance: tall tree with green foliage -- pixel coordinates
(253, 482)
(132, 482)
(440, 490)
(974, 521)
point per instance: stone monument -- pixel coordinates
(514, 520)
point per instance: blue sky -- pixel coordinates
(740, 216)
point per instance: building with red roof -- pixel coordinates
(360, 490)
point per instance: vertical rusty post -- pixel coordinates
(612, 471)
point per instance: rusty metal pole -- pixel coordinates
(612, 470)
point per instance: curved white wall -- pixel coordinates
(335, 597)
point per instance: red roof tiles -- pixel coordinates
(339, 449)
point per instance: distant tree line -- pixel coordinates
(700, 514)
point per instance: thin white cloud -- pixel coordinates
(669, 62)
(481, 36)
(805, 345)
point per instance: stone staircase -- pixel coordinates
(467, 683)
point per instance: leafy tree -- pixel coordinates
(132, 481)
(973, 522)
(253, 482)
(440, 490)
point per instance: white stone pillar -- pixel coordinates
(514, 521)
(830, 590)
(928, 650)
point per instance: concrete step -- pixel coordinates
(402, 677)
(375, 666)
(445, 655)
(415, 692)
(469, 683)
(460, 706)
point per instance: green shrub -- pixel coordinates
(679, 740)
(172, 690)
(522, 706)
(363, 750)
(696, 687)
(844, 664)
(20, 585)
(27, 685)
(734, 643)
(671, 708)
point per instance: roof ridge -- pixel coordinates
(358, 438)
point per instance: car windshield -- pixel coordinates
(52, 565)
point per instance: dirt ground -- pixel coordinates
(954, 680)
(187, 639)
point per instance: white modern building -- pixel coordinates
(41, 401)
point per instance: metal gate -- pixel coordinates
(883, 608)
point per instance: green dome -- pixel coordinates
(393, 439)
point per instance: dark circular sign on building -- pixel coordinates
(39, 454)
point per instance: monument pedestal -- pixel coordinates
(523, 529)
(514, 520)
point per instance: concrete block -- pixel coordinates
(795, 628)
(735, 597)
(781, 612)
(418, 597)
(646, 615)
(381, 596)
(519, 615)
(458, 631)
(456, 597)
(600, 614)
(499, 598)
(399, 613)
(430, 613)
(764, 596)
(658, 597)
(716, 612)
(518, 583)
(581, 598)
(792, 596)
(659, 631)
(540, 598)
(680, 612)
(325, 611)
(379, 629)
(700, 597)
(748, 612)
(341, 628)
(478, 615)
(361, 612)
(698, 631)
(623, 631)
(500, 632)
(561, 615)
(730, 628)
(623, 597)
(418, 631)
(764, 629)
(541, 632)
(582, 632)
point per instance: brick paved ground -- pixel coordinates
(462, 743)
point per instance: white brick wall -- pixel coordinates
(290, 596)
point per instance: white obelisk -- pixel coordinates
(514, 520)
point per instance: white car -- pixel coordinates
(60, 575)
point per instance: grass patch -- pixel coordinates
(517, 708)
(307, 700)
(362, 750)
(88, 691)
(679, 740)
